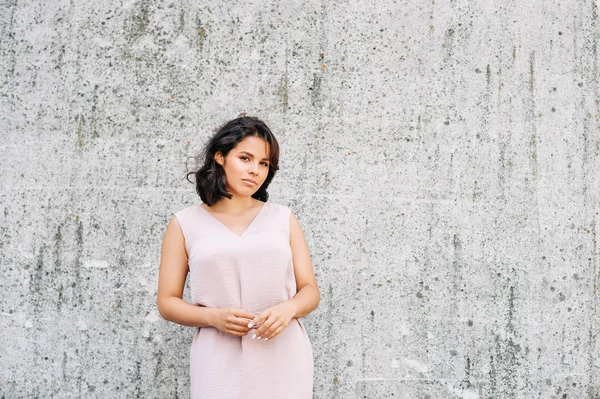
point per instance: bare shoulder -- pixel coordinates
(174, 223)
(182, 213)
(173, 237)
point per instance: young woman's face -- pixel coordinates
(246, 166)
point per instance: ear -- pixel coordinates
(219, 158)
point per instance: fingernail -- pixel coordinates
(266, 339)
(249, 325)
(254, 336)
(258, 339)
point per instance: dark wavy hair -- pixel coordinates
(210, 178)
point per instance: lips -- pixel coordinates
(250, 181)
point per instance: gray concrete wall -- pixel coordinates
(442, 156)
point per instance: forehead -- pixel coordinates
(257, 146)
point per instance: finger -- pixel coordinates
(276, 333)
(260, 331)
(272, 329)
(242, 313)
(258, 320)
(241, 322)
(236, 333)
(236, 327)
(233, 320)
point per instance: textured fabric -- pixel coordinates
(253, 272)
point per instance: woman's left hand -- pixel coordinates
(273, 320)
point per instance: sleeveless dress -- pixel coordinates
(252, 271)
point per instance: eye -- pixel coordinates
(264, 164)
(243, 158)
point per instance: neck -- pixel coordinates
(234, 205)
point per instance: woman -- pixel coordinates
(251, 276)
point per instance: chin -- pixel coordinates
(245, 192)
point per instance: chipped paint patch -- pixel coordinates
(462, 393)
(152, 317)
(418, 366)
(95, 264)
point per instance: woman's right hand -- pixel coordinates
(233, 321)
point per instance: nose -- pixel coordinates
(253, 168)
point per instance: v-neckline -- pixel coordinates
(227, 228)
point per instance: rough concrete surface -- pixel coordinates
(443, 158)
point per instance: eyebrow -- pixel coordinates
(252, 155)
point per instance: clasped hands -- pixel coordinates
(267, 325)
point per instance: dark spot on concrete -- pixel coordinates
(553, 109)
(456, 242)
(137, 24)
(181, 21)
(315, 90)
(532, 70)
(470, 323)
(466, 383)
(493, 379)
(561, 296)
(453, 352)
(477, 70)
(446, 123)
(137, 379)
(36, 280)
(349, 363)
(284, 93)
(560, 33)
(448, 42)
(80, 123)
(78, 258)
(419, 295)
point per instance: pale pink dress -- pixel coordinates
(253, 271)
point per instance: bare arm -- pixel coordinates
(276, 318)
(171, 281)
(307, 296)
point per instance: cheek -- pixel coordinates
(265, 173)
(236, 166)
